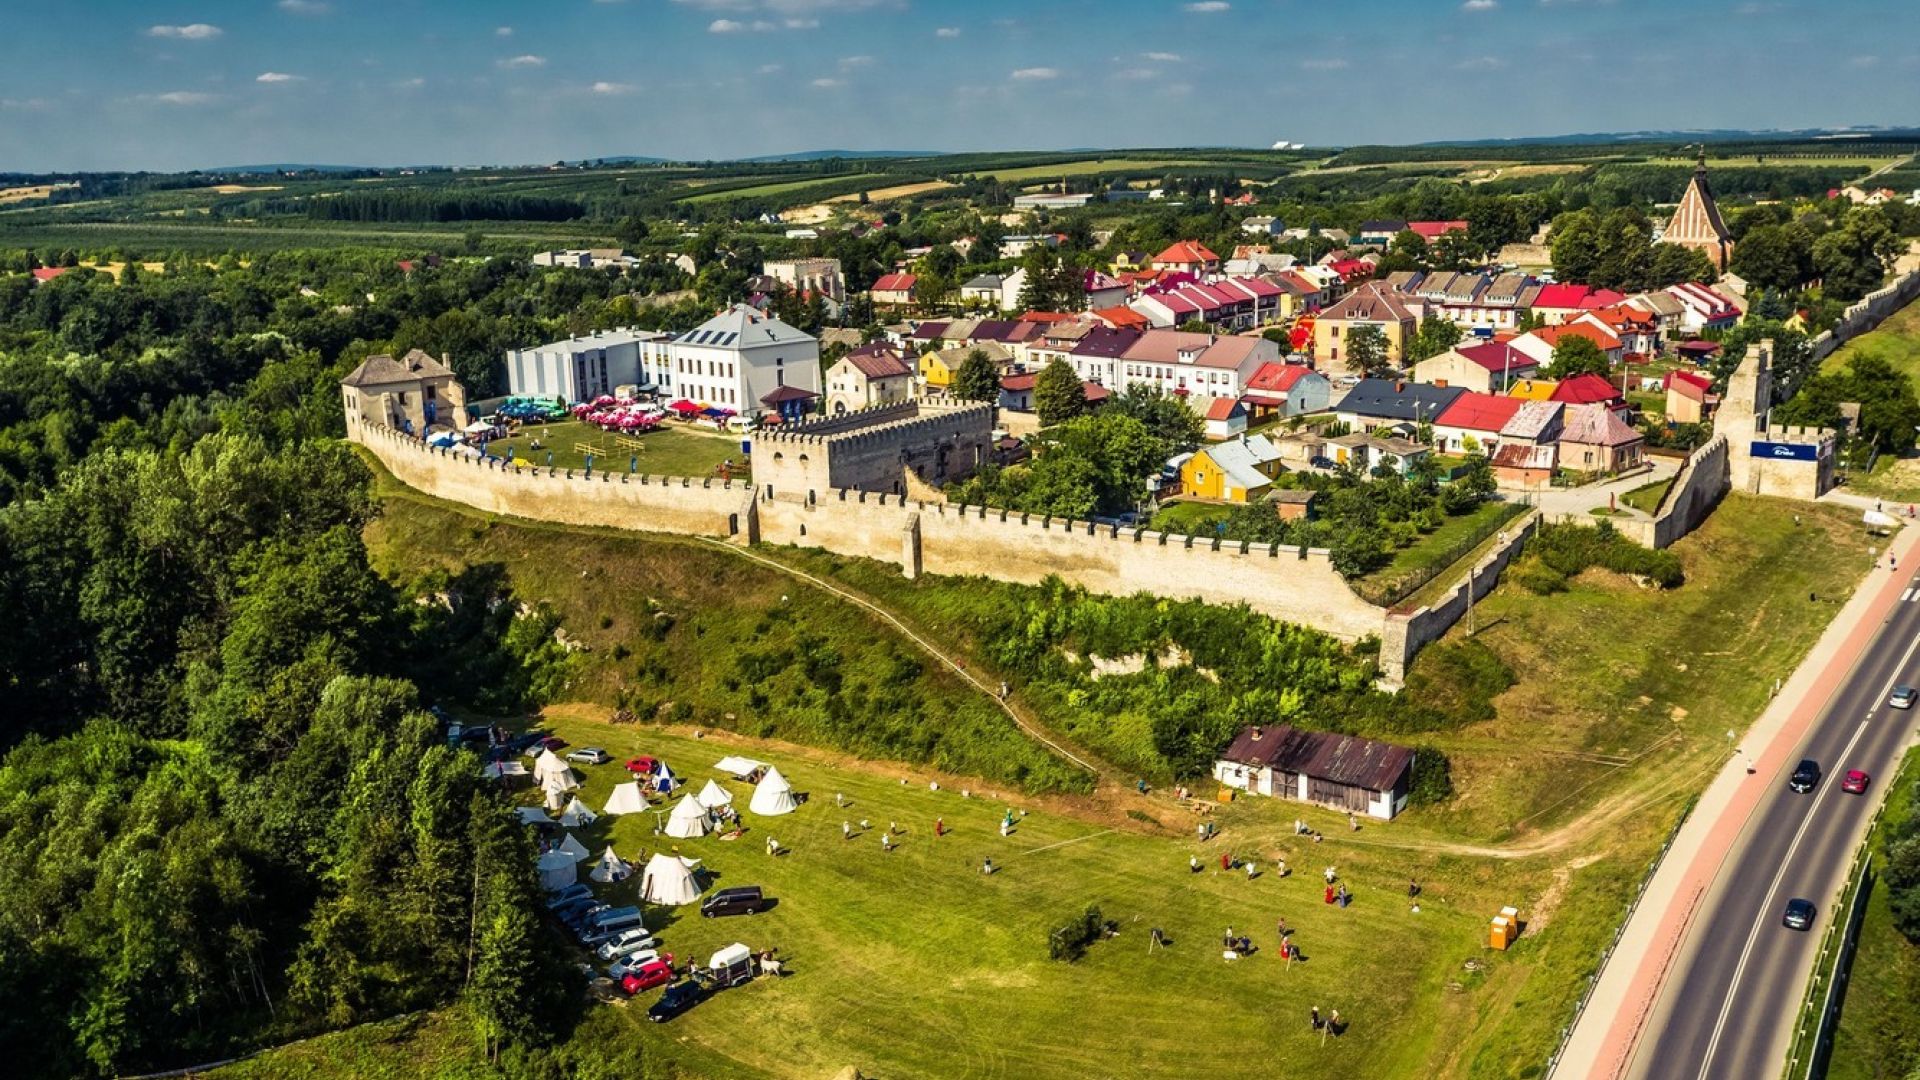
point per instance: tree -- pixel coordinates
(1367, 351)
(1576, 355)
(1852, 260)
(1058, 395)
(1166, 417)
(1774, 257)
(1435, 336)
(976, 379)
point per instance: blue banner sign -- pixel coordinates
(1787, 451)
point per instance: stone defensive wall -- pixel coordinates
(1866, 313)
(1406, 633)
(1287, 583)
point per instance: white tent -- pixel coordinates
(667, 880)
(556, 871)
(574, 848)
(577, 814)
(533, 815)
(626, 799)
(664, 780)
(713, 796)
(740, 768)
(556, 794)
(773, 796)
(499, 770)
(548, 766)
(611, 868)
(688, 820)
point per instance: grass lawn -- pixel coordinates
(1440, 547)
(1879, 1034)
(1897, 341)
(1182, 518)
(675, 449)
(1646, 498)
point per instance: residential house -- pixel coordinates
(1096, 357)
(1488, 367)
(1690, 397)
(1378, 403)
(1188, 256)
(1221, 417)
(1434, 230)
(1703, 308)
(1473, 421)
(1374, 304)
(1525, 466)
(1013, 247)
(1278, 389)
(1337, 236)
(1332, 286)
(735, 360)
(937, 367)
(809, 276)
(1193, 366)
(1535, 423)
(1303, 449)
(1590, 389)
(1102, 290)
(1596, 440)
(1129, 261)
(988, 290)
(872, 375)
(1540, 343)
(1238, 470)
(1483, 305)
(1533, 389)
(1057, 339)
(1664, 308)
(412, 394)
(1260, 225)
(1371, 453)
(1379, 233)
(1343, 772)
(1122, 318)
(1637, 331)
(894, 290)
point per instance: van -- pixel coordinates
(740, 900)
(609, 924)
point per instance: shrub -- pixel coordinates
(1069, 941)
(1459, 680)
(1569, 549)
(1432, 780)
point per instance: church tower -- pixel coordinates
(1696, 221)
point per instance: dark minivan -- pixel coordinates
(740, 900)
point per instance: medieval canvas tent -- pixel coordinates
(668, 880)
(688, 820)
(713, 796)
(533, 815)
(577, 814)
(556, 793)
(503, 770)
(611, 868)
(575, 848)
(773, 796)
(556, 871)
(664, 781)
(548, 768)
(626, 799)
(744, 769)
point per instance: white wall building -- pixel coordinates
(581, 368)
(733, 360)
(809, 275)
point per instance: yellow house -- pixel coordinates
(1374, 304)
(934, 371)
(937, 367)
(1534, 389)
(1238, 470)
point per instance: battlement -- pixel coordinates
(1795, 433)
(872, 449)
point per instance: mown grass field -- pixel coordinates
(674, 449)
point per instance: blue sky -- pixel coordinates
(169, 84)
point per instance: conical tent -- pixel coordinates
(667, 880)
(574, 848)
(664, 780)
(610, 869)
(626, 799)
(713, 796)
(533, 815)
(688, 820)
(555, 796)
(577, 814)
(556, 871)
(549, 765)
(773, 796)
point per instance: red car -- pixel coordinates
(1855, 782)
(651, 974)
(641, 766)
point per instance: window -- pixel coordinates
(1333, 331)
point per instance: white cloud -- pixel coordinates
(788, 7)
(1164, 57)
(191, 32)
(25, 104)
(828, 84)
(727, 26)
(1035, 73)
(760, 26)
(1480, 63)
(770, 69)
(1325, 63)
(181, 97)
(503, 31)
(848, 62)
(613, 89)
(1479, 5)
(1864, 61)
(947, 32)
(414, 83)
(1209, 7)
(278, 77)
(525, 60)
(801, 24)
(305, 7)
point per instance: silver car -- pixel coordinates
(619, 968)
(1903, 697)
(590, 755)
(626, 943)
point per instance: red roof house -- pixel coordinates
(1191, 256)
(1589, 389)
(1434, 230)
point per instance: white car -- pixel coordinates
(590, 755)
(619, 968)
(1902, 697)
(626, 943)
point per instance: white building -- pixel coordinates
(733, 360)
(804, 276)
(581, 368)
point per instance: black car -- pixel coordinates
(676, 999)
(1805, 776)
(740, 900)
(1799, 915)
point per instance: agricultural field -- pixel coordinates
(1090, 166)
(788, 187)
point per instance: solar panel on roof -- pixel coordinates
(732, 337)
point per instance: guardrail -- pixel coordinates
(1619, 931)
(1813, 1029)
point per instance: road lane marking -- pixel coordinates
(1907, 597)
(1766, 904)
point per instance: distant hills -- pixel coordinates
(1695, 135)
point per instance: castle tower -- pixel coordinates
(1742, 416)
(1696, 221)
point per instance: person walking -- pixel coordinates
(1314, 1018)
(1251, 872)
(1280, 868)
(1226, 860)
(846, 829)
(1353, 823)
(839, 799)
(939, 827)
(886, 841)
(1193, 863)
(1333, 1021)
(773, 846)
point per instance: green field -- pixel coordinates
(1182, 518)
(674, 449)
(782, 188)
(1646, 498)
(1879, 1033)
(1437, 549)
(1093, 165)
(1896, 341)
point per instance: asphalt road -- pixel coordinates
(1729, 1011)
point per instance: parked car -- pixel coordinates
(1322, 462)
(627, 965)
(1855, 782)
(626, 943)
(552, 742)
(641, 766)
(678, 998)
(739, 900)
(1805, 776)
(519, 744)
(1903, 697)
(568, 895)
(590, 755)
(577, 916)
(607, 925)
(1799, 914)
(647, 976)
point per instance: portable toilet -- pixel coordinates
(1506, 927)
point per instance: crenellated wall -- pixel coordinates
(1866, 313)
(1406, 633)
